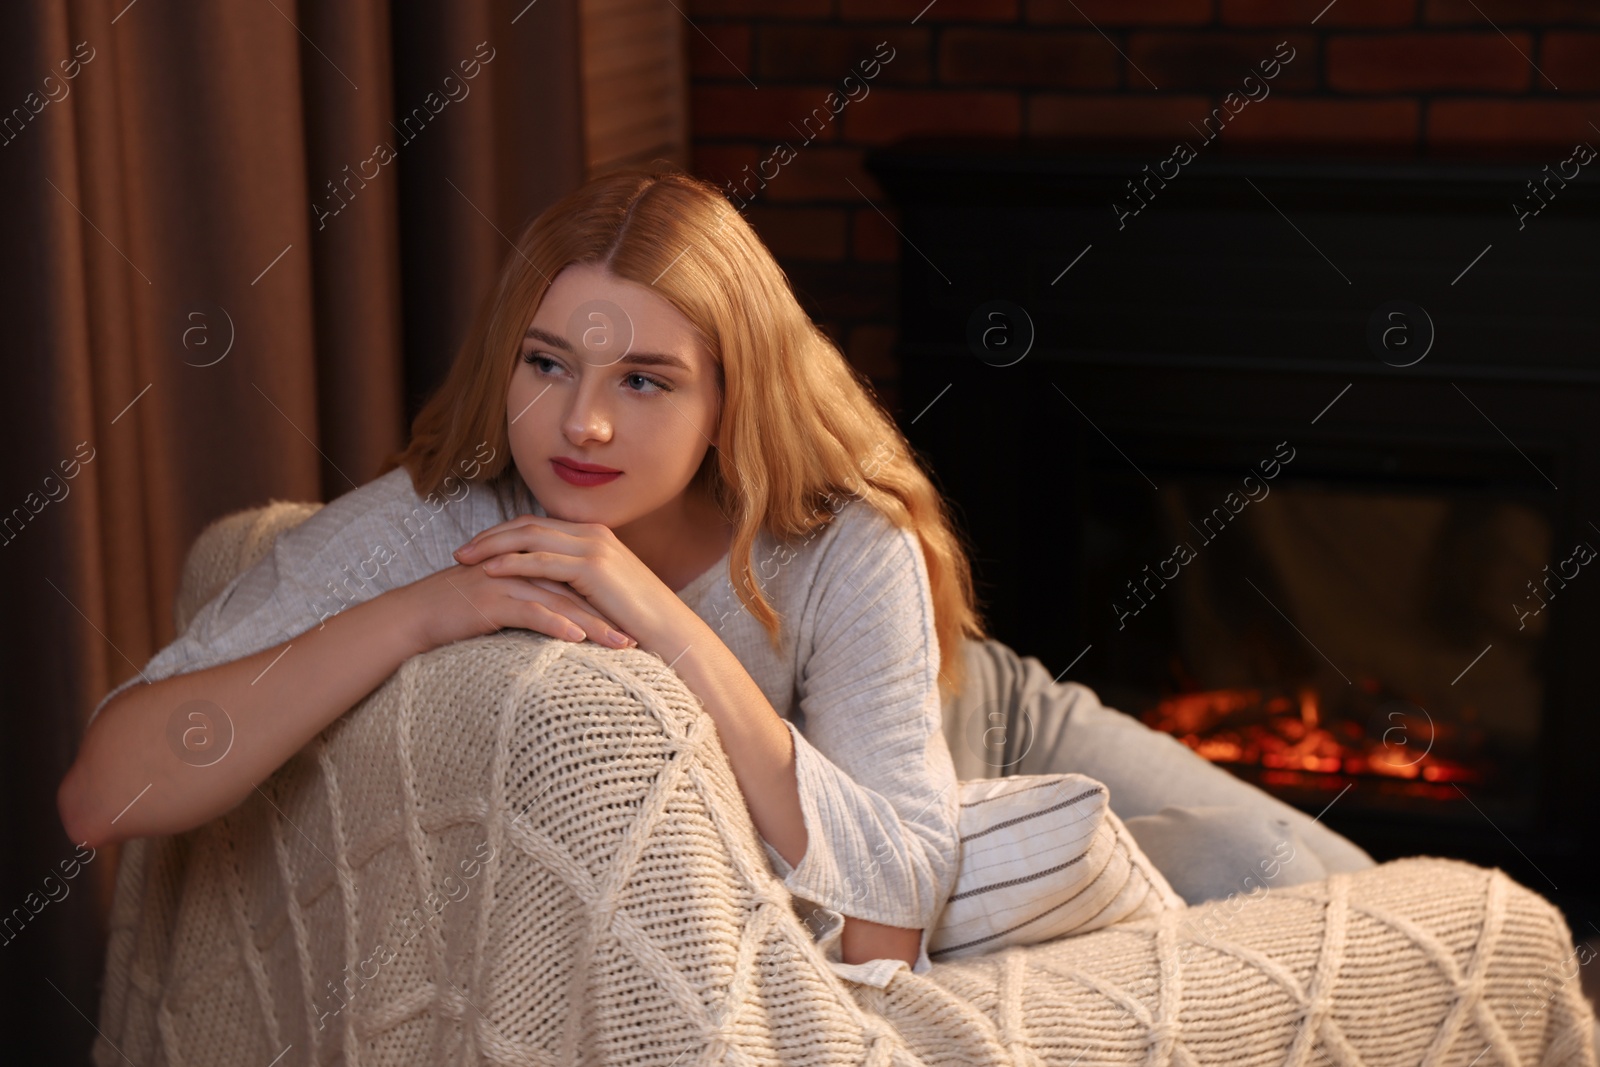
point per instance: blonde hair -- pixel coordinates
(799, 427)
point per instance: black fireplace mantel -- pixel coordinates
(1050, 341)
(1271, 255)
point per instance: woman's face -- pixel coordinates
(611, 375)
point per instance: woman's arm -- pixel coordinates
(760, 749)
(130, 778)
(862, 941)
(872, 759)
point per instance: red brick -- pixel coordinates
(800, 233)
(1571, 60)
(1027, 57)
(859, 292)
(1287, 118)
(1422, 62)
(774, 112)
(722, 163)
(1141, 116)
(697, 9)
(818, 172)
(720, 51)
(813, 173)
(1553, 122)
(871, 351)
(751, 177)
(925, 13)
(1299, 13)
(889, 114)
(798, 52)
(1122, 12)
(1221, 60)
(872, 239)
(1518, 12)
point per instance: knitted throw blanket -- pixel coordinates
(522, 851)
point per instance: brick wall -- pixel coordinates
(1402, 72)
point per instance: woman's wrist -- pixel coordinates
(416, 620)
(863, 941)
(675, 636)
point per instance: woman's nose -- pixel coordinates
(587, 418)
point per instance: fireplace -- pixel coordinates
(1209, 598)
(1298, 464)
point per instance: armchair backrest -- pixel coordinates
(230, 545)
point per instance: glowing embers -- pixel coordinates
(1291, 735)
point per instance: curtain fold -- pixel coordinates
(216, 295)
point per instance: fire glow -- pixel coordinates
(1291, 733)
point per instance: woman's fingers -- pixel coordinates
(460, 602)
(559, 588)
(563, 601)
(546, 620)
(523, 534)
(579, 603)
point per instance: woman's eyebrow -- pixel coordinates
(648, 359)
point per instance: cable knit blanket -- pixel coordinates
(521, 851)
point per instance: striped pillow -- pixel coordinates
(1043, 856)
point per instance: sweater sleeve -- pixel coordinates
(366, 542)
(256, 609)
(877, 783)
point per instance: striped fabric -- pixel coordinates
(1043, 856)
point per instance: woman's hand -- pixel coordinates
(587, 558)
(464, 601)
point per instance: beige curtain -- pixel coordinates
(219, 291)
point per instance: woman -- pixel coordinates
(644, 439)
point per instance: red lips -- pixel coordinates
(583, 476)
(578, 464)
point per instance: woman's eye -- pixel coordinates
(539, 360)
(656, 384)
